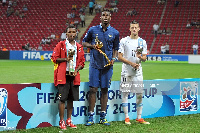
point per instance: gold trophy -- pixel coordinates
(70, 64)
(100, 45)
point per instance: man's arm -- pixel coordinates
(142, 57)
(81, 62)
(122, 59)
(88, 45)
(115, 48)
(59, 60)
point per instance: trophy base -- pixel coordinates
(69, 73)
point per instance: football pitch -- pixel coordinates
(18, 71)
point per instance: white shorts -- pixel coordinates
(133, 84)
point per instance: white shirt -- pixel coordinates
(63, 36)
(167, 46)
(128, 47)
(163, 48)
(195, 47)
(155, 27)
(72, 63)
(43, 40)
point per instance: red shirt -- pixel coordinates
(60, 68)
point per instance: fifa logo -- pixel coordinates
(3, 107)
(188, 96)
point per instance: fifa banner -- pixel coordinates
(35, 55)
(46, 55)
(24, 106)
(167, 57)
(30, 55)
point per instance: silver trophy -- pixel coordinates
(71, 53)
(139, 49)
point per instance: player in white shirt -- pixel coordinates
(195, 48)
(163, 49)
(131, 75)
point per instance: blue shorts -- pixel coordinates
(100, 78)
(194, 51)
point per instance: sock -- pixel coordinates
(102, 114)
(139, 105)
(125, 103)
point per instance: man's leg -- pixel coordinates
(125, 106)
(92, 101)
(69, 108)
(61, 114)
(92, 98)
(69, 114)
(61, 109)
(104, 100)
(139, 106)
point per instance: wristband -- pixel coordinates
(113, 58)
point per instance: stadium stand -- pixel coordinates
(43, 18)
(46, 17)
(176, 18)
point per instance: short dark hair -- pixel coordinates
(70, 26)
(134, 22)
(106, 10)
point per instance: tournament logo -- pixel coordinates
(188, 96)
(3, 107)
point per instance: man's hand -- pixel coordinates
(75, 73)
(95, 47)
(138, 54)
(69, 58)
(112, 62)
(134, 65)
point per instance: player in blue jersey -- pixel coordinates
(99, 75)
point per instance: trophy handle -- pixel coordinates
(109, 63)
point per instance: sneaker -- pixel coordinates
(89, 122)
(142, 121)
(90, 119)
(104, 121)
(127, 121)
(62, 125)
(70, 124)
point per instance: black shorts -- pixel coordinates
(69, 90)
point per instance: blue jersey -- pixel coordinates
(110, 39)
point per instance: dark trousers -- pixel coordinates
(90, 11)
(155, 32)
(83, 23)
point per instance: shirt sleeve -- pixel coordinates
(121, 46)
(144, 47)
(116, 42)
(82, 58)
(56, 53)
(88, 36)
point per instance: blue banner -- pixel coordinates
(30, 55)
(167, 57)
(35, 105)
(46, 55)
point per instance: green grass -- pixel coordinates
(42, 72)
(177, 124)
(14, 71)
